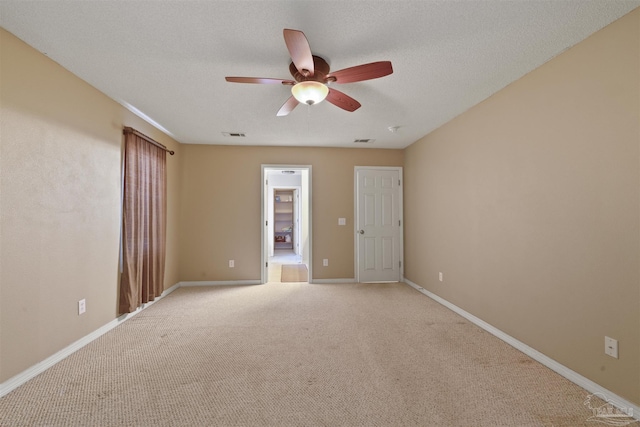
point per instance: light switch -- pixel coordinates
(342, 221)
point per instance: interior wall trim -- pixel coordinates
(21, 378)
(592, 387)
(331, 281)
(220, 283)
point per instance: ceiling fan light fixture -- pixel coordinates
(309, 92)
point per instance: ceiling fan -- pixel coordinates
(312, 76)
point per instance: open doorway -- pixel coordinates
(286, 223)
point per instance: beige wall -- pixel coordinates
(60, 157)
(529, 205)
(221, 207)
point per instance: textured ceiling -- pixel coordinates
(168, 59)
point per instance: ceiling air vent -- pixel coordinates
(289, 172)
(363, 141)
(234, 134)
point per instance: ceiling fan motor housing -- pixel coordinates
(320, 73)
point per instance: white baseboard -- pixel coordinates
(221, 283)
(569, 374)
(16, 381)
(328, 281)
(574, 377)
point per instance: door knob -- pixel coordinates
(361, 231)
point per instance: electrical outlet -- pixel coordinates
(82, 306)
(232, 263)
(325, 262)
(611, 347)
(440, 276)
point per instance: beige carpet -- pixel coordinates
(297, 355)
(294, 273)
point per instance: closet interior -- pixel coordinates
(283, 219)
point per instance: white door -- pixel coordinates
(378, 224)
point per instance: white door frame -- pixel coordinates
(264, 258)
(355, 216)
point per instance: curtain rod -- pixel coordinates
(146, 138)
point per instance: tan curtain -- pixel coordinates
(144, 223)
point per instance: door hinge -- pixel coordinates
(398, 182)
(399, 223)
(400, 264)
(266, 264)
(267, 182)
(266, 223)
